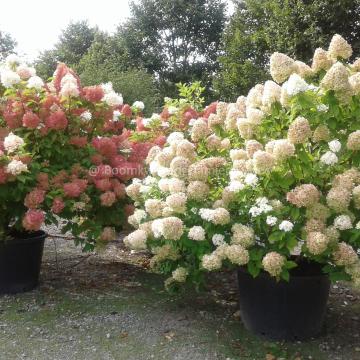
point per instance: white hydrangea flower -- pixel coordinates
(116, 115)
(155, 117)
(335, 146)
(180, 274)
(163, 171)
(139, 215)
(146, 122)
(12, 60)
(296, 85)
(262, 207)
(192, 122)
(150, 180)
(206, 214)
(154, 167)
(12, 143)
(16, 167)
(197, 233)
(329, 158)
(68, 78)
(357, 225)
(113, 99)
(254, 211)
(107, 88)
(86, 115)
(236, 186)
(343, 222)
(25, 71)
(163, 185)
(136, 240)
(139, 105)
(35, 82)
(322, 108)
(172, 110)
(251, 179)
(286, 226)
(9, 78)
(69, 88)
(236, 175)
(262, 201)
(176, 185)
(296, 251)
(218, 239)
(218, 216)
(271, 220)
(175, 137)
(144, 189)
(156, 227)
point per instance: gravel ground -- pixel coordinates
(108, 306)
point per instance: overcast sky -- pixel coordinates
(36, 24)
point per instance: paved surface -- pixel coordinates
(108, 306)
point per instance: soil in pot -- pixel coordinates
(293, 310)
(20, 262)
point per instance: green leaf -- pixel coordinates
(339, 275)
(291, 243)
(275, 236)
(253, 269)
(291, 264)
(285, 275)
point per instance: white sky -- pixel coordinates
(37, 24)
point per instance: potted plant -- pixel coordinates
(56, 143)
(269, 186)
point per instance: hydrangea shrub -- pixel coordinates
(266, 182)
(65, 152)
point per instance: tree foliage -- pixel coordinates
(107, 60)
(295, 27)
(7, 45)
(73, 44)
(176, 40)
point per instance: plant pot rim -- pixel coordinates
(264, 274)
(26, 237)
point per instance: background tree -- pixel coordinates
(177, 40)
(296, 27)
(108, 60)
(73, 44)
(7, 45)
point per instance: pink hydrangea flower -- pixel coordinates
(105, 146)
(72, 190)
(103, 184)
(34, 198)
(118, 188)
(79, 141)
(57, 205)
(108, 234)
(93, 93)
(30, 120)
(57, 121)
(96, 159)
(126, 110)
(33, 220)
(107, 198)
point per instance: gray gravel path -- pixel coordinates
(108, 306)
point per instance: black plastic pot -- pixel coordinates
(20, 262)
(293, 310)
